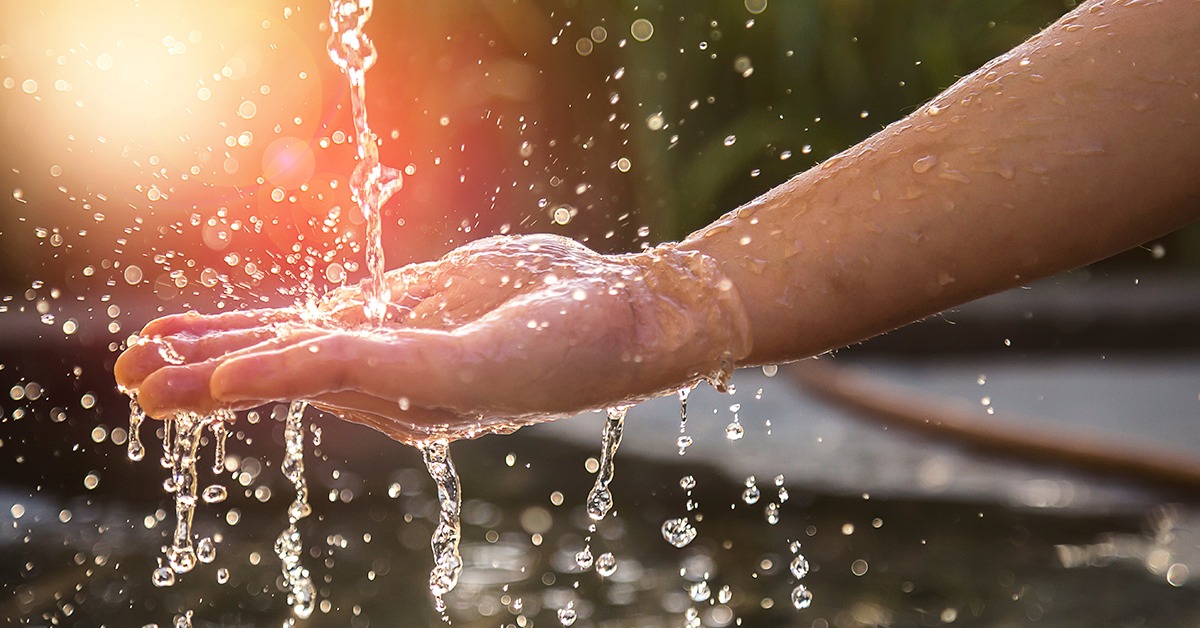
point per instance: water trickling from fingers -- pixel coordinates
(289, 545)
(447, 563)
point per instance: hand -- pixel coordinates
(499, 333)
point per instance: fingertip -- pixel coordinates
(170, 324)
(136, 363)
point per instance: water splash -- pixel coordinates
(447, 563)
(371, 183)
(600, 499)
(301, 593)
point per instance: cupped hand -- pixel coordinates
(499, 333)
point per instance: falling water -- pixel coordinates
(447, 563)
(600, 499)
(288, 546)
(372, 183)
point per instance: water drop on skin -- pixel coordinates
(923, 164)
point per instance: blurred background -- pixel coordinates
(159, 157)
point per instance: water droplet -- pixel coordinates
(923, 164)
(206, 550)
(182, 557)
(163, 577)
(699, 591)
(734, 431)
(751, 495)
(687, 482)
(600, 498)
(725, 595)
(730, 140)
(799, 566)
(606, 564)
(772, 513)
(583, 558)
(561, 215)
(678, 532)
(656, 121)
(683, 442)
(222, 575)
(801, 597)
(567, 616)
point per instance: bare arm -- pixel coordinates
(1080, 143)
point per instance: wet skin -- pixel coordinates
(498, 333)
(1075, 145)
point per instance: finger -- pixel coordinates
(182, 388)
(150, 354)
(194, 323)
(187, 386)
(422, 365)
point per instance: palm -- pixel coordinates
(501, 332)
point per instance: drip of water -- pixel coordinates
(372, 183)
(220, 433)
(801, 596)
(136, 450)
(447, 563)
(600, 499)
(302, 595)
(752, 492)
(181, 454)
(684, 441)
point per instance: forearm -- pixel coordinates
(1080, 143)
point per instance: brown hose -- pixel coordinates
(889, 404)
